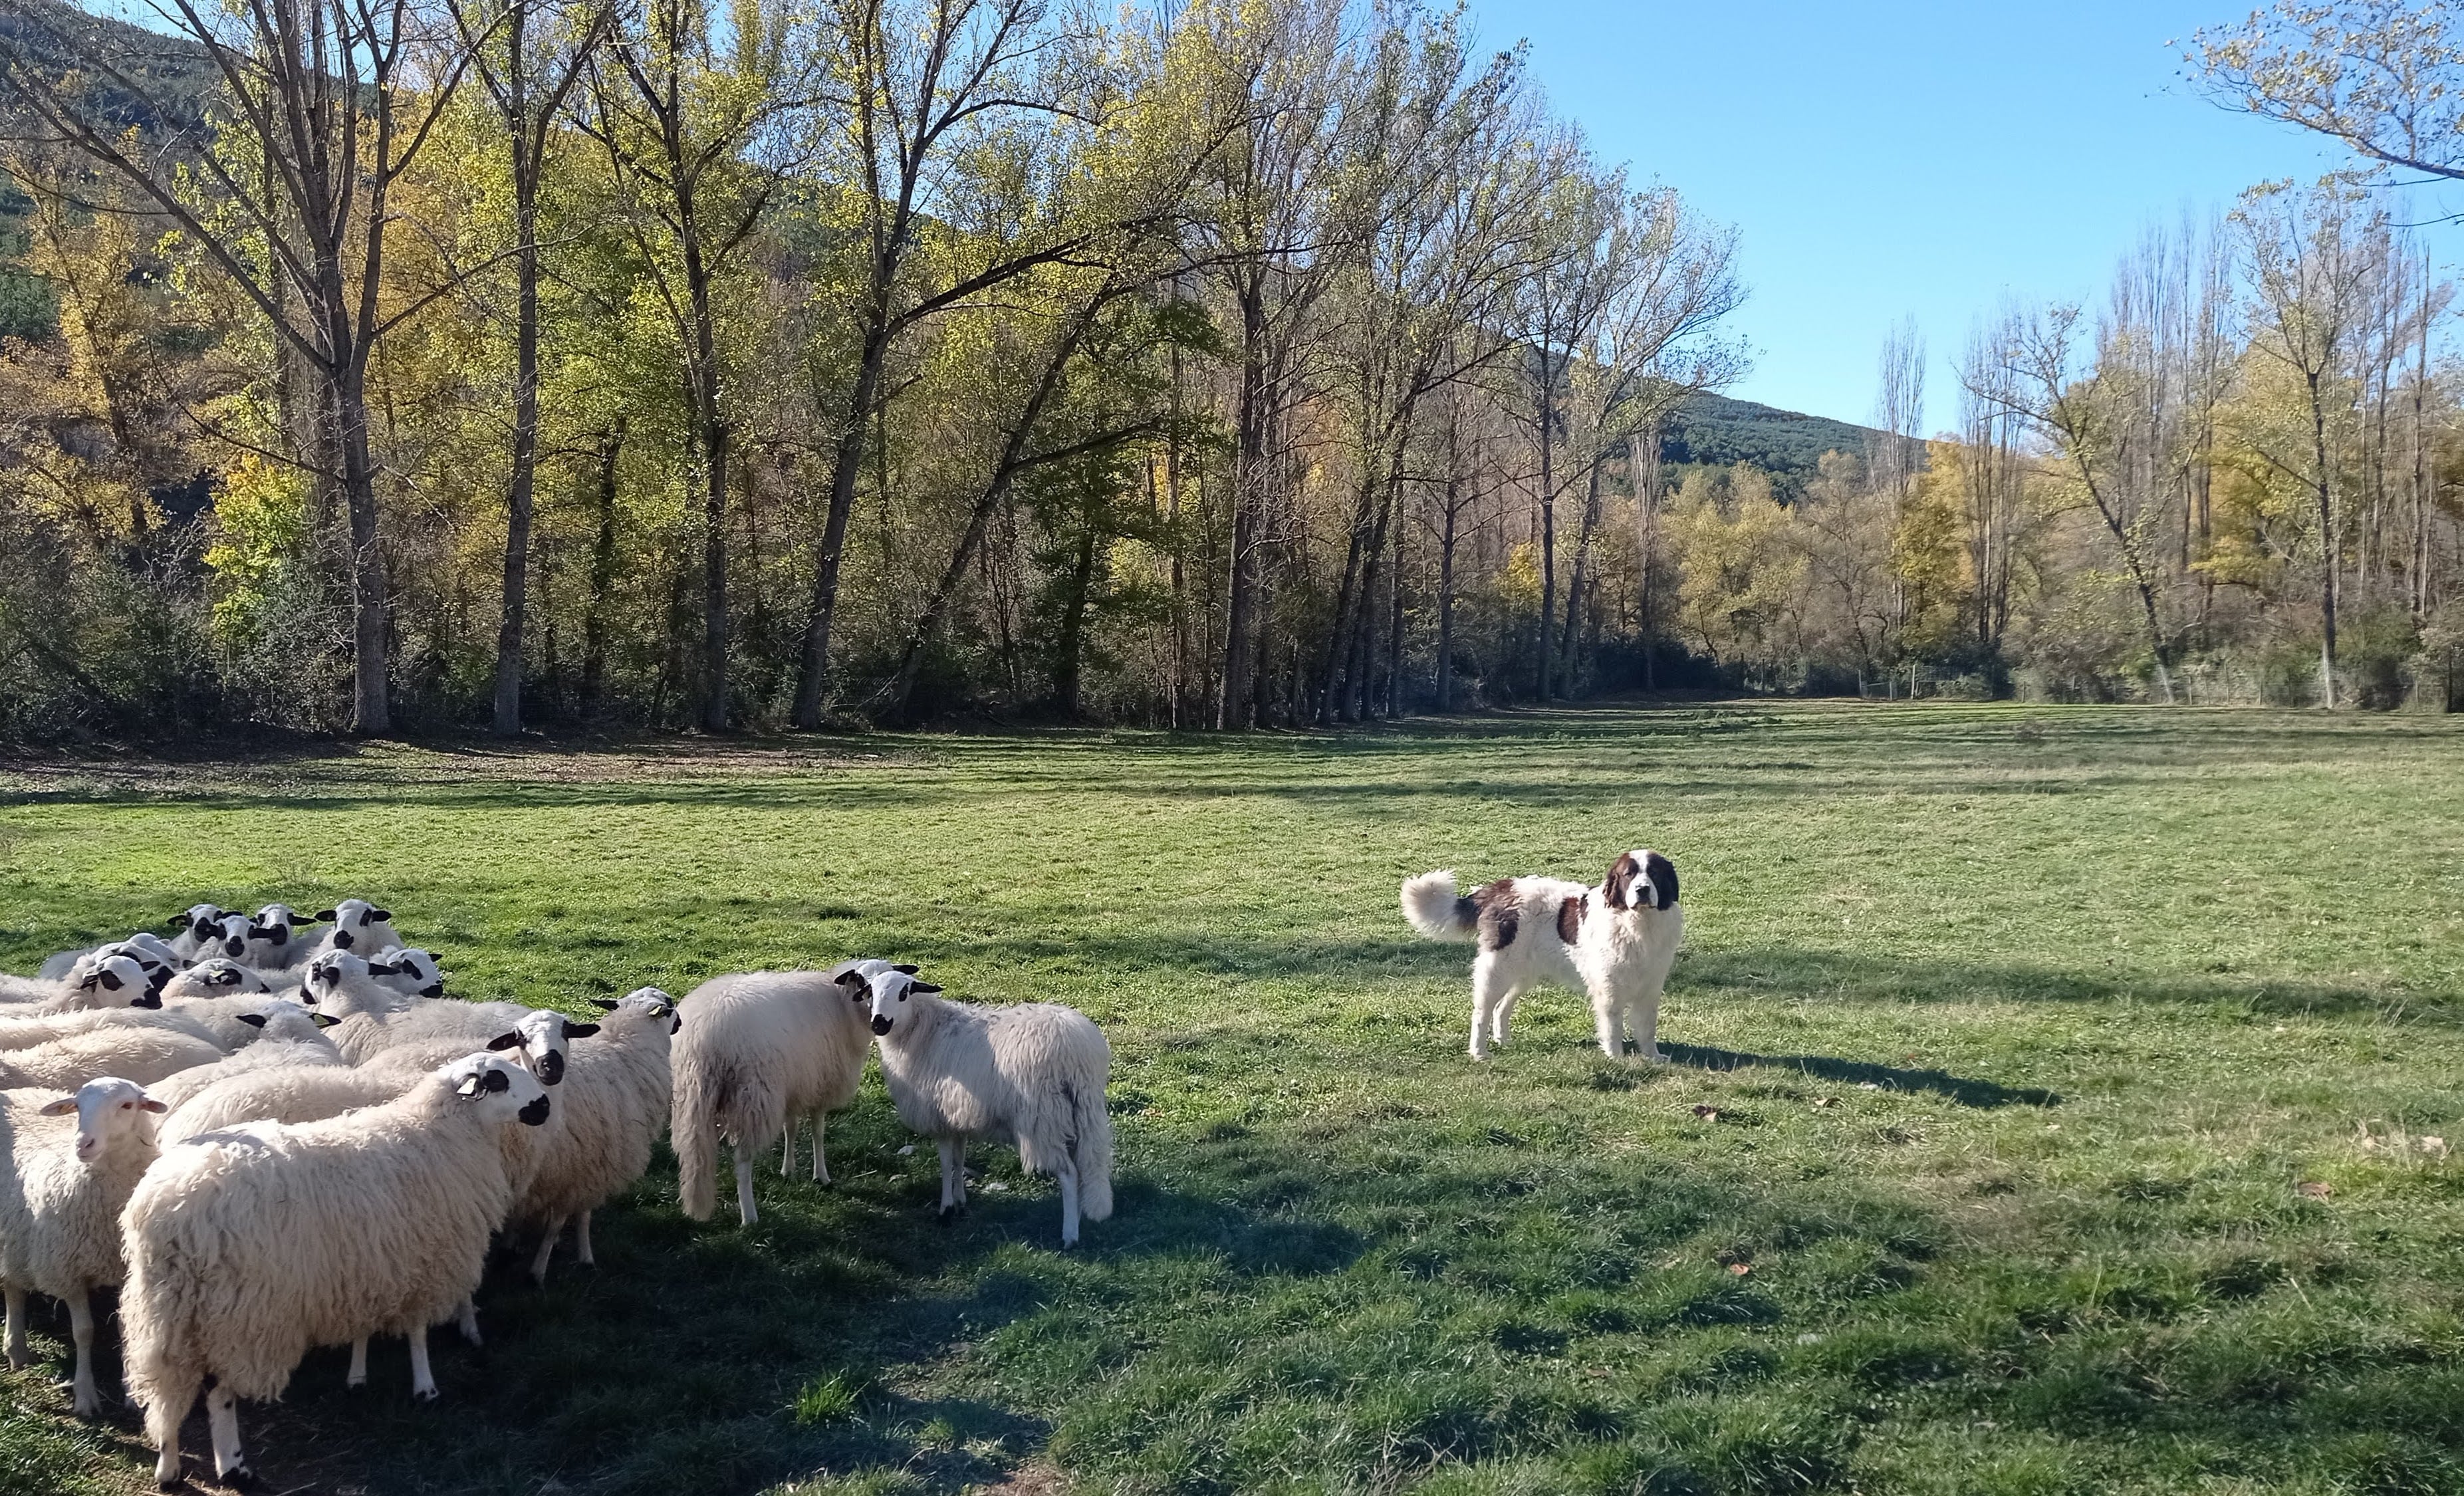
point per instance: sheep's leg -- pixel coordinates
(954, 1177)
(359, 1374)
(547, 1250)
(1066, 1171)
(787, 1159)
(222, 1417)
(174, 1395)
(821, 1159)
(82, 1331)
(581, 1242)
(745, 1209)
(1487, 989)
(467, 1319)
(17, 1354)
(422, 1383)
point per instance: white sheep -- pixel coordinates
(198, 927)
(356, 926)
(544, 1035)
(1033, 1071)
(143, 1055)
(218, 976)
(342, 984)
(248, 1248)
(61, 1189)
(758, 1050)
(277, 1093)
(612, 1104)
(145, 945)
(290, 1037)
(277, 937)
(113, 980)
(26, 1032)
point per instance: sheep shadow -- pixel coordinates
(712, 1357)
(1962, 1090)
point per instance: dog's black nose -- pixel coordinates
(880, 1024)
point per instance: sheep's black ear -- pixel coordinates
(922, 987)
(609, 1004)
(903, 971)
(573, 1030)
(323, 1020)
(325, 914)
(674, 1025)
(159, 978)
(146, 1000)
(384, 915)
(384, 969)
(506, 1042)
(251, 1020)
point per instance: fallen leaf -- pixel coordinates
(1708, 1112)
(2316, 1189)
(1741, 1268)
(2433, 1147)
(908, 1148)
(1826, 1101)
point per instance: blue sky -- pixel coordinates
(1883, 158)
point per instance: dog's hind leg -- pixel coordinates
(1489, 989)
(1503, 1017)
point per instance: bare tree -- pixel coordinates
(2384, 76)
(540, 50)
(330, 103)
(2313, 258)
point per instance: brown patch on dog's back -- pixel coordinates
(1496, 915)
(1570, 919)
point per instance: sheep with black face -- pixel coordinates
(248, 1247)
(1033, 1072)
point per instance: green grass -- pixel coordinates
(2073, 1069)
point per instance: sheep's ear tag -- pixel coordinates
(61, 1108)
(470, 1085)
(611, 1004)
(574, 1030)
(323, 1020)
(325, 914)
(251, 1020)
(513, 1041)
(904, 970)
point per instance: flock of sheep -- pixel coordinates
(274, 1133)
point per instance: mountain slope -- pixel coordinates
(1714, 430)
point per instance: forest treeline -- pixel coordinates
(400, 364)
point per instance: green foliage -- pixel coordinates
(2005, 1192)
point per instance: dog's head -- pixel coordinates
(1641, 879)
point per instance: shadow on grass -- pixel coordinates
(1965, 1092)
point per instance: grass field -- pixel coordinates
(2058, 1107)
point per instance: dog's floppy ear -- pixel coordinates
(1620, 880)
(1663, 878)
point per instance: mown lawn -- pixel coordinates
(2058, 1107)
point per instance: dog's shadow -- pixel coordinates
(1960, 1089)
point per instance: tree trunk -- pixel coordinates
(1248, 481)
(1447, 601)
(1071, 645)
(371, 708)
(525, 454)
(602, 576)
(2329, 551)
(1548, 524)
(1565, 651)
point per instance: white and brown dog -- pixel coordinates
(1615, 942)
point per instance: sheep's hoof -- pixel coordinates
(239, 1478)
(424, 1396)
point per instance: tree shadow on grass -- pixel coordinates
(1962, 1090)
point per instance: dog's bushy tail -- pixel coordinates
(1430, 904)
